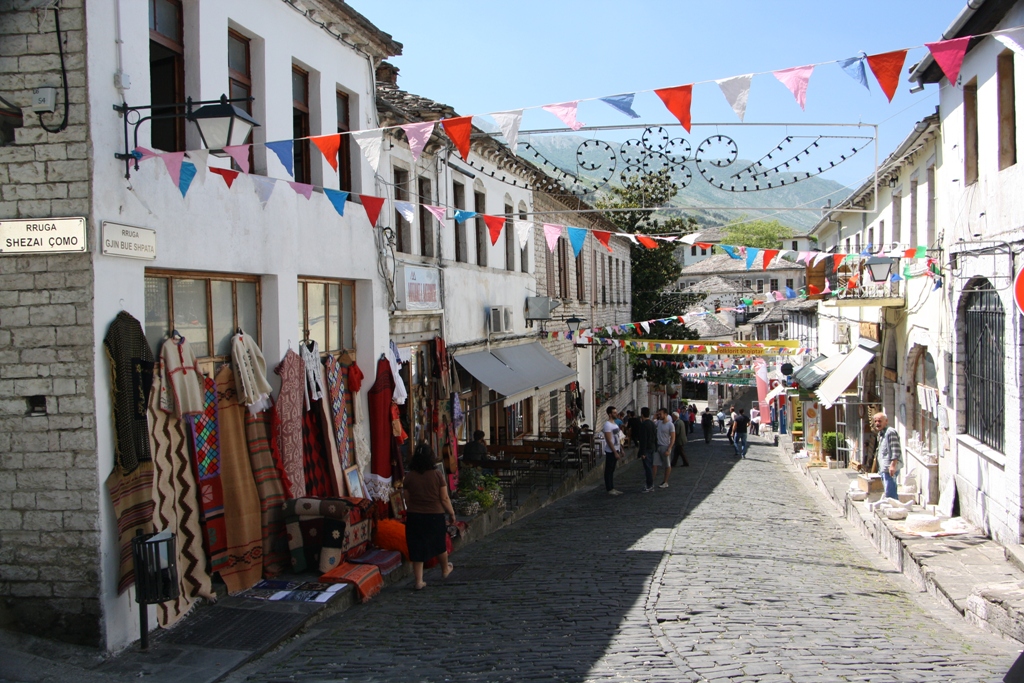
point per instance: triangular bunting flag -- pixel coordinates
(566, 112)
(328, 146)
(622, 103)
(854, 68)
(1013, 39)
(188, 172)
(523, 230)
(736, 91)
(603, 237)
(406, 209)
(304, 189)
(240, 153)
(751, 256)
(577, 237)
(458, 130)
(677, 100)
(369, 142)
(769, 254)
(730, 250)
(828, 287)
(508, 122)
(949, 55)
(143, 153)
(418, 134)
(796, 79)
(887, 67)
(227, 174)
(264, 187)
(372, 205)
(703, 245)
(494, 226)
(461, 216)
(172, 160)
(647, 241)
(438, 211)
(201, 159)
(836, 260)
(551, 233)
(338, 199)
(285, 151)
(819, 257)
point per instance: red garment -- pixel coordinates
(355, 378)
(379, 400)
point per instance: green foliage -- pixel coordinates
(760, 233)
(482, 497)
(470, 479)
(829, 441)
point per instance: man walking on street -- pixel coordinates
(683, 427)
(612, 450)
(739, 433)
(666, 440)
(755, 422)
(890, 453)
(721, 421)
(646, 436)
(707, 423)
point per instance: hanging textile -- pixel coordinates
(271, 492)
(315, 466)
(378, 482)
(131, 494)
(441, 368)
(274, 438)
(313, 386)
(250, 373)
(339, 407)
(290, 409)
(187, 394)
(206, 456)
(244, 566)
(308, 518)
(355, 377)
(131, 377)
(330, 441)
(400, 394)
(177, 505)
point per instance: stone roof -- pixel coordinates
(711, 327)
(718, 285)
(723, 263)
(356, 29)
(775, 312)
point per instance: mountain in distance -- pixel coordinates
(713, 206)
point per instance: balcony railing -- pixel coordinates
(865, 291)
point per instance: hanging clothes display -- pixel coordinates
(244, 565)
(271, 492)
(339, 407)
(400, 394)
(316, 466)
(187, 396)
(131, 494)
(290, 410)
(206, 456)
(177, 505)
(309, 351)
(250, 373)
(378, 482)
(131, 377)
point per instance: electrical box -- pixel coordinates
(44, 100)
(540, 307)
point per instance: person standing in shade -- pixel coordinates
(755, 422)
(632, 427)
(739, 433)
(647, 442)
(707, 423)
(612, 450)
(721, 421)
(683, 427)
(426, 501)
(889, 455)
(666, 441)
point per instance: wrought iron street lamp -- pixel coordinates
(574, 324)
(880, 268)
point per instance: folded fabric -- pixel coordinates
(385, 560)
(366, 578)
(390, 535)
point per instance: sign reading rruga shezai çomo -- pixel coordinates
(128, 241)
(42, 235)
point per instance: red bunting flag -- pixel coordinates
(836, 260)
(766, 259)
(494, 226)
(328, 146)
(647, 241)
(703, 245)
(814, 290)
(949, 55)
(603, 237)
(372, 205)
(886, 67)
(910, 253)
(227, 174)
(677, 100)
(458, 129)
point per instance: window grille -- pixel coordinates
(984, 322)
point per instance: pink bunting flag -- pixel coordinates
(240, 153)
(796, 80)
(438, 211)
(566, 111)
(145, 153)
(551, 233)
(949, 55)
(418, 134)
(172, 160)
(303, 189)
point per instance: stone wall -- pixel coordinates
(49, 538)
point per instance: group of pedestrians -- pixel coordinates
(660, 442)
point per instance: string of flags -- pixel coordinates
(695, 347)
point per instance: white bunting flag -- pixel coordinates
(736, 91)
(523, 230)
(201, 159)
(370, 142)
(407, 209)
(509, 122)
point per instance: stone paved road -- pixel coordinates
(734, 573)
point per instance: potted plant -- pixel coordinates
(829, 440)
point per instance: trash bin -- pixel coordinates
(156, 574)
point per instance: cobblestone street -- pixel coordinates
(734, 573)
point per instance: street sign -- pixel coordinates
(42, 236)
(1018, 291)
(128, 241)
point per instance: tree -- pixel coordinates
(758, 233)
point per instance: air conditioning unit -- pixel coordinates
(540, 307)
(499, 319)
(843, 333)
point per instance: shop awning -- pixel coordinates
(516, 371)
(814, 373)
(775, 392)
(846, 372)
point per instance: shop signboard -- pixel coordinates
(42, 236)
(128, 241)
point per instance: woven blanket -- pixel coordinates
(271, 493)
(206, 456)
(177, 505)
(242, 516)
(339, 406)
(131, 494)
(385, 560)
(311, 525)
(366, 578)
(316, 467)
(131, 376)
(290, 409)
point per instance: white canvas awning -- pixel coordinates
(845, 373)
(517, 372)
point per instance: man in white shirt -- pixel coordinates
(612, 450)
(666, 442)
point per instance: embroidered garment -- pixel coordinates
(250, 373)
(290, 409)
(177, 506)
(355, 378)
(206, 456)
(378, 481)
(313, 385)
(131, 494)
(339, 407)
(183, 376)
(131, 377)
(271, 493)
(366, 578)
(395, 359)
(242, 518)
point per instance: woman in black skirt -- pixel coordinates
(426, 501)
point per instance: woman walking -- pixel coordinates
(426, 501)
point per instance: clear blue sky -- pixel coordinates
(482, 56)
